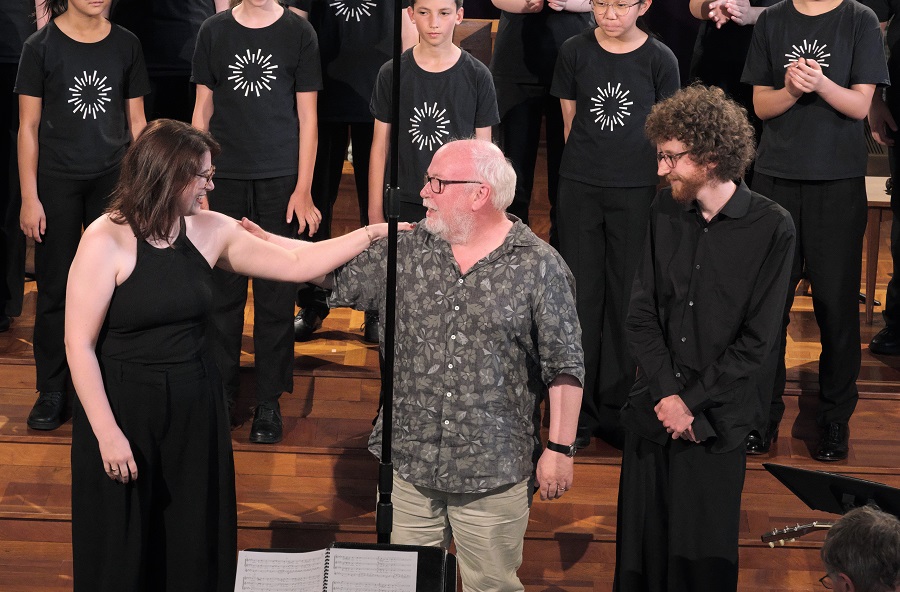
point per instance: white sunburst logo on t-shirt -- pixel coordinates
(89, 95)
(252, 72)
(611, 106)
(810, 51)
(429, 126)
(352, 9)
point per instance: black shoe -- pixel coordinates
(583, 438)
(48, 411)
(5, 322)
(886, 342)
(370, 327)
(760, 444)
(266, 428)
(307, 321)
(835, 442)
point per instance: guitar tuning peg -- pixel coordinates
(771, 545)
(781, 542)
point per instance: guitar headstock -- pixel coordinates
(792, 533)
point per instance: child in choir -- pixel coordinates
(257, 72)
(80, 83)
(445, 94)
(607, 79)
(354, 42)
(814, 66)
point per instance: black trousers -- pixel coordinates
(601, 237)
(69, 206)
(174, 528)
(891, 311)
(678, 517)
(830, 217)
(265, 202)
(519, 134)
(12, 241)
(330, 156)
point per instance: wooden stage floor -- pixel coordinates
(318, 485)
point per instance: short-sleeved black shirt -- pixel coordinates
(355, 39)
(435, 107)
(613, 94)
(167, 30)
(812, 140)
(526, 45)
(254, 75)
(16, 24)
(83, 87)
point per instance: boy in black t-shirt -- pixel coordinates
(814, 66)
(445, 94)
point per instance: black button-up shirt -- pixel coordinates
(705, 313)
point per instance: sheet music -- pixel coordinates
(369, 570)
(281, 572)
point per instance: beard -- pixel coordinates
(460, 231)
(686, 191)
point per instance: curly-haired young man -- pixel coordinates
(702, 325)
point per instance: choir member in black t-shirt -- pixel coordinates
(529, 35)
(354, 42)
(257, 72)
(814, 66)
(16, 24)
(80, 82)
(607, 79)
(167, 30)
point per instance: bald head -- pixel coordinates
(483, 160)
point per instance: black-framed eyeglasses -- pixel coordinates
(437, 185)
(670, 159)
(620, 8)
(827, 582)
(208, 175)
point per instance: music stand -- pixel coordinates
(834, 493)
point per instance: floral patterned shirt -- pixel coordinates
(474, 354)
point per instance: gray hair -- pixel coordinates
(496, 171)
(865, 545)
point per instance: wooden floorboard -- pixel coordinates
(318, 485)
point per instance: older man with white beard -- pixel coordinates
(486, 326)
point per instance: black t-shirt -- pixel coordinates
(526, 45)
(812, 140)
(16, 24)
(887, 10)
(254, 75)
(167, 29)
(83, 87)
(435, 107)
(613, 94)
(355, 39)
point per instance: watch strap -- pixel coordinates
(569, 450)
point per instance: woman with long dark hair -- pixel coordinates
(153, 500)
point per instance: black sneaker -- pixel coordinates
(48, 412)
(307, 322)
(267, 427)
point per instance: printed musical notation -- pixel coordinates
(368, 570)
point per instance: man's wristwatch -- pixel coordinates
(569, 450)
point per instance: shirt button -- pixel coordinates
(446, 422)
(453, 337)
(678, 375)
(706, 230)
(459, 281)
(449, 394)
(683, 339)
(697, 266)
(451, 365)
(691, 303)
(455, 308)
